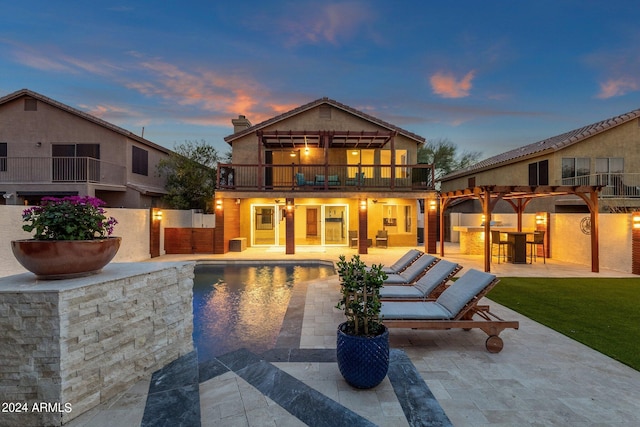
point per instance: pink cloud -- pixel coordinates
(617, 87)
(223, 96)
(446, 85)
(330, 23)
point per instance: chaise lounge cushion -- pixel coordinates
(414, 311)
(454, 298)
(403, 262)
(411, 273)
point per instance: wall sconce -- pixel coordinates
(237, 201)
(635, 220)
(289, 207)
(541, 218)
(157, 215)
(432, 204)
(219, 204)
(292, 154)
(363, 205)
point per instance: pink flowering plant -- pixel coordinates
(68, 218)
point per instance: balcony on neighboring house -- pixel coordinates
(49, 170)
(614, 185)
(345, 177)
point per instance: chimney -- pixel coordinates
(240, 124)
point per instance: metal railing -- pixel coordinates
(249, 177)
(615, 185)
(60, 169)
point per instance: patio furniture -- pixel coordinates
(403, 262)
(430, 285)
(413, 272)
(518, 246)
(358, 180)
(353, 238)
(454, 308)
(382, 238)
(496, 239)
(538, 239)
(332, 181)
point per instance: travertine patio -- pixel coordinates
(540, 377)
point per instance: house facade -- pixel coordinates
(604, 154)
(323, 174)
(51, 149)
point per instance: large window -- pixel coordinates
(3, 156)
(360, 157)
(402, 158)
(539, 173)
(139, 161)
(609, 170)
(575, 171)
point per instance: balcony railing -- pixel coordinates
(615, 185)
(60, 170)
(248, 177)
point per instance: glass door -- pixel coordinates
(264, 225)
(335, 224)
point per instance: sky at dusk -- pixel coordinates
(487, 75)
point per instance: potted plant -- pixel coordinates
(363, 341)
(71, 238)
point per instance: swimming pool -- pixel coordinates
(242, 306)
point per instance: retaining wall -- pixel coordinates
(69, 345)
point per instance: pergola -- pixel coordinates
(518, 197)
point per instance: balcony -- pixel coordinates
(253, 177)
(614, 185)
(30, 170)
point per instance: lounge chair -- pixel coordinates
(430, 285)
(413, 272)
(454, 308)
(403, 262)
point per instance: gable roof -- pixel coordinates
(86, 116)
(229, 139)
(555, 143)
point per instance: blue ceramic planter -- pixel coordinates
(363, 361)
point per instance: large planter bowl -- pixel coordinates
(64, 259)
(363, 361)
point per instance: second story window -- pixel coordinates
(3, 156)
(139, 161)
(539, 173)
(575, 170)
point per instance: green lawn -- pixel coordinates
(603, 314)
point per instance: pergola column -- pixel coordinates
(290, 227)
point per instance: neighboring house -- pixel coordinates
(604, 154)
(50, 149)
(320, 175)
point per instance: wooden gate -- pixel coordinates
(188, 240)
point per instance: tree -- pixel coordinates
(442, 153)
(191, 176)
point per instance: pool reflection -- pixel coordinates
(237, 306)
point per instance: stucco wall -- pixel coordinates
(133, 227)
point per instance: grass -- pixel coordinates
(603, 314)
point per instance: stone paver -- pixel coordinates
(540, 378)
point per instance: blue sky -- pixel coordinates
(488, 75)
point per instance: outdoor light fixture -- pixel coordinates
(293, 153)
(219, 204)
(306, 147)
(157, 215)
(432, 205)
(363, 205)
(541, 218)
(635, 220)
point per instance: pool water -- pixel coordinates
(243, 306)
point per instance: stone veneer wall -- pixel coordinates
(80, 342)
